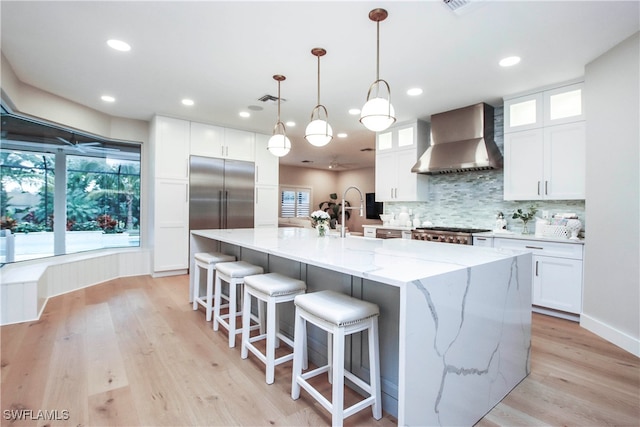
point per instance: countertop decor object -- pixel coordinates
(525, 217)
(320, 222)
(574, 225)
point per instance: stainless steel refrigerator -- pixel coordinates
(220, 193)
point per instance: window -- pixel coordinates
(295, 202)
(47, 172)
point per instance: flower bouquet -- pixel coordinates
(320, 221)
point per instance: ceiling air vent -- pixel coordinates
(271, 99)
(460, 7)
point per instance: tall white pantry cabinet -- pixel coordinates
(173, 141)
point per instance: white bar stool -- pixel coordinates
(339, 315)
(206, 261)
(273, 289)
(233, 273)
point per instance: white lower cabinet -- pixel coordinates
(557, 273)
(486, 242)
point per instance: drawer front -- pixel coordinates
(369, 231)
(556, 249)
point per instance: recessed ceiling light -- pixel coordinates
(119, 45)
(414, 91)
(107, 98)
(342, 135)
(291, 124)
(244, 114)
(509, 61)
(354, 111)
(187, 102)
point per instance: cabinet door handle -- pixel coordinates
(257, 173)
(391, 196)
(534, 247)
(538, 188)
(536, 268)
(546, 184)
(481, 238)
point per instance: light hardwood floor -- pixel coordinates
(132, 352)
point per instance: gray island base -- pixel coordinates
(455, 322)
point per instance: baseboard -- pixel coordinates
(614, 336)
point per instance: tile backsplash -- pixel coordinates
(472, 199)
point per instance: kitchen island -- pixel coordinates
(455, 322)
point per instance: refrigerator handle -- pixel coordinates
(221, 211)
(226, 207)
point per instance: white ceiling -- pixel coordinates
(223, 54)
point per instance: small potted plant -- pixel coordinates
(525, 217)
(334, 209)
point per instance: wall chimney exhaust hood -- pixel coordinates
(461, 140)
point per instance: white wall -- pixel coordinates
(611, 299)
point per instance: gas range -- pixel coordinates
(460, 236)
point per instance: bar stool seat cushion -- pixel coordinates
(238, 269)
(213, 257)
(336, 308)
(274, 284)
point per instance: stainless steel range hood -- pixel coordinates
(461, 140)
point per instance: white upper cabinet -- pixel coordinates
(220, 142)
(239, 145)
(207, 140)
(171, 148)
(545, 145)
(398, 149)
(522, 113)
(563, 104)
(267, 165)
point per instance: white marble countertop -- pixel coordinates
(391, 261)
(520, 236)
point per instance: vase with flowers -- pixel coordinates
(525, 217)
(320, 222)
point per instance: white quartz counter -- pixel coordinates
(391, 261)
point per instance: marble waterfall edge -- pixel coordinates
(472, 332)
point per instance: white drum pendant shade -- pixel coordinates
(377, 114)
(319, 133)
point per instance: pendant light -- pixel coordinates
(319, 132)
(377, 113)
(279, 145)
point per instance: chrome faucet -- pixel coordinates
(343, 229)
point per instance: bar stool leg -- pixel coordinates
(271, 338)
(246, 320)
(337, 389)
(374, 368)
(217, 300)
(210, 271)
(233, 291)
(300, 334)
(195, 288)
